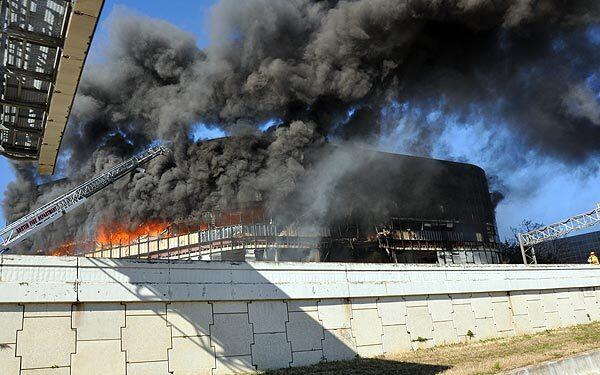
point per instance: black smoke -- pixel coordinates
(325, 70)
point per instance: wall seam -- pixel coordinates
(287, 337)
(75, 338)
(210, 338)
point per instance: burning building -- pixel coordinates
(379, 207)
(516, 76)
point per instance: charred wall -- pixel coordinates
(390, 207)
(406, 187)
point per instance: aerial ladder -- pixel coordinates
(528, 240)
(52, 211)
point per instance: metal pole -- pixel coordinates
(522, 248)
(533, 257)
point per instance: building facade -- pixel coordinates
(386, 208)
(574, 249)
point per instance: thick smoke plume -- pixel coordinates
(341, 70)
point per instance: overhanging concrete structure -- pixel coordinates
(44, 46)
(115, 316)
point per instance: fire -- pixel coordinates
(111, 234)
(65, 249)
(120, 233)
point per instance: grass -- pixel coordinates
(484, 357)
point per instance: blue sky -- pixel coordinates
(188, 15)
(563, 191)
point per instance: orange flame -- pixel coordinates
(119, 233)
(111, 234)
(65, 249)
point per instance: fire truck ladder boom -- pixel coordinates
(50, 212)
(529, 239)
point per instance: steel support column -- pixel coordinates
(33, 37)
(22, 104)
(11, 70)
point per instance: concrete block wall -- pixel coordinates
(123, 319)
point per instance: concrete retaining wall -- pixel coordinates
(99, 316)
(586, 363)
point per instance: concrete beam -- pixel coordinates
(80, 30)
(70, 279)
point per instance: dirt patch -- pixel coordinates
(481, 357)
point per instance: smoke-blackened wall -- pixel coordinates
(374, 187)
(324, 70)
